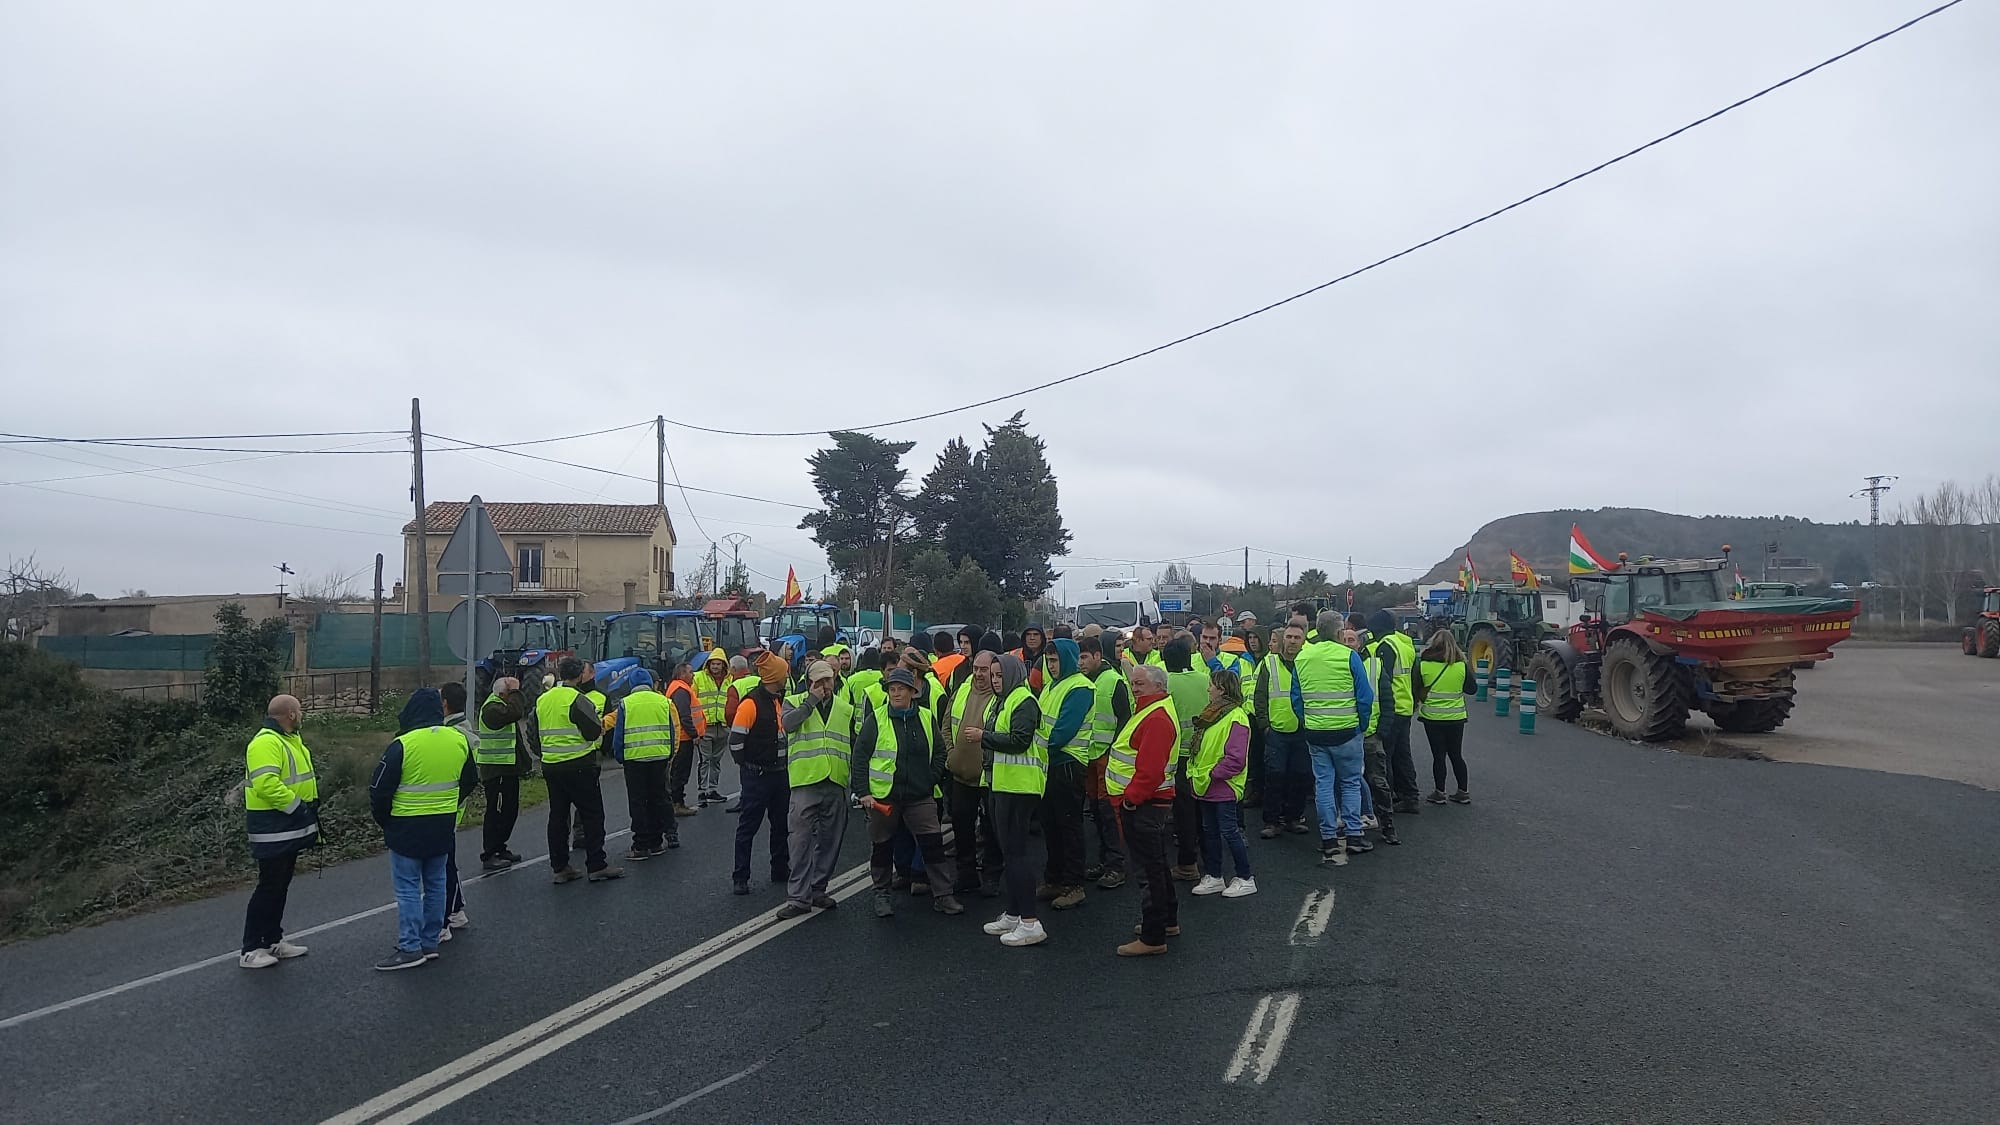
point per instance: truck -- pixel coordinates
(1116, 604)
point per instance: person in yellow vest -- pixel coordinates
(819, 726)
(415, 795)
(1187, 682)
(502, 757)
(1067, 700)
(899, 789)
(1139, 647)
(1280, 710)
(1111, 706)
(1399, 661)
(1377, 800)
(1017, 777)
(975, 847)
(1333, 686)
(711, 690)
(1215, 774)
(281, 815)
(642, 733)
(742, 684)
(1443, 681)
(1139, 777)
(570, 726)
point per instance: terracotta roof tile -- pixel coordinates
(441, 517)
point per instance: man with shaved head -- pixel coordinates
(281, 812)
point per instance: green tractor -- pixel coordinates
(1502, 624)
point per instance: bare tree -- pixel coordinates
(325, 592)
(28, 591)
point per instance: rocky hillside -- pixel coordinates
(1543, 539)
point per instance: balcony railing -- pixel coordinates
(552, 580)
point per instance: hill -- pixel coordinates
(1841, 550)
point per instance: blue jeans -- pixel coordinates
(1222, 826)
(419, 901)
(1337, 782)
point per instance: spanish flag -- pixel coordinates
(1582, 559)
(793, 595)
(1520, 571)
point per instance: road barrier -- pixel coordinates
(1479, 674)
(1502, 691)
(1527, 706)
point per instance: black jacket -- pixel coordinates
(919, 756)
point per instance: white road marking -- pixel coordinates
(1264, 1040)
(480, 1068)
(1314, 917)
(711, 1088)
(231, 956)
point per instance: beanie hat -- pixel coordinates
(772, 669)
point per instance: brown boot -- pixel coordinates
(1069, 898)
(568, 875)
(1138, 948)
(1187, 874)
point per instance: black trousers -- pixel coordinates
(1012, 813)
(1447, 741)
(1253, 785)
(1187, 820)
(1062, 821)
(1375, 775)
(1395, 732)
(264, 918)
(503, 808)
(767, 799)
(973, 843)
(573, 784)
(677, 777)
(1146, 842)
(646, 799)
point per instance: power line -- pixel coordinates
(27, 438)
(41, 439)
(669, 451)
(463, 444)
(200, 512)
(253, 491)
(1378, 263)
(161, 442)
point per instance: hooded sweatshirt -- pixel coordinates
(420, 837)
(1072, 712)
(1026, 716)
(1033, 642)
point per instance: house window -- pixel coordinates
(529, 571)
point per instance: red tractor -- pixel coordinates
(1982, 637)
(1661, 638)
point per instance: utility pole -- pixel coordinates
(660, 461)
(375, 645)
(1288, 578)
(423, 563)
(1350, 572)
(1246, 568)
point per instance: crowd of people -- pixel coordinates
(1131, 754)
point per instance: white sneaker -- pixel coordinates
(1240, 887)
(1209, 885)
(457, 920)
(1005, 924)
(285, 950)
(444, 935)
(1027, 933)
(1369, 821)
(257, 959)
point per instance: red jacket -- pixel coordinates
(1153, 742)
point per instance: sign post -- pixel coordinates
(474, 562)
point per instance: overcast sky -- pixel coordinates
(546, 219)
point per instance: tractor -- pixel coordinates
(1661, 638)
(1765, 591)
(531, 645)
(730, 624)
(1982, 637)
(654, 639)
(1500, 623)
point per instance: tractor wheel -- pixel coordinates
(1642, 692)
(1968, 642)
(1490, 646)
(1989, 639)
(1555, 694)
(1753, 716)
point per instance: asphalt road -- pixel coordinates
(1611, 933)
(1903, 708)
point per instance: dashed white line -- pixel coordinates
(1264, 1040)
(1314, 917)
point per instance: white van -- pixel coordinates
(1116, 605)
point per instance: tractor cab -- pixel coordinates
(529, 643)
(804, 621)
(654, 639)
(1764, 591)
(730, 624)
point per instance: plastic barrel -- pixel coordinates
(1527, 706)
(1502, 691)
(1479, 676)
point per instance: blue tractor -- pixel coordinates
(653, 639)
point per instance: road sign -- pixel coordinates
(485, 630)
(475, 559)
(1170, 605)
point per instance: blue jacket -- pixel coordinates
(419, 837)
(1074, 709)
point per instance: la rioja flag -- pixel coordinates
(1582, 558)
(793, 595)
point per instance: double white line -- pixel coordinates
(453, 1081)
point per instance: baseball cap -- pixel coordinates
(899, 676)
(820, 670)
